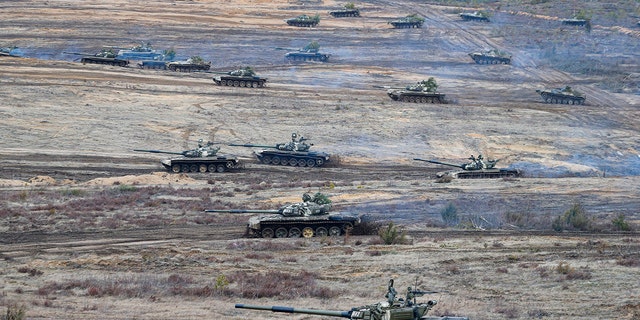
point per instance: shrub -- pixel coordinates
(450, 215)
(575, 218)
(393, 234)
(620, 224)
(14, 312)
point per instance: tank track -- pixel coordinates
(550, 97)
(304, 24)
(240, 82)
(344, 13)
(486, 174)
(480, 59)
(406, 25)
(107, 61)
(417, 98)
(296, 229)
(188, 67)
(306, 57)
(291, 160)
(200, 165)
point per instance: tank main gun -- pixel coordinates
(236, 211)
(203, 150)
(319, 204)
(476, 163)
(442, 163)
(296, 144)
(331, 313)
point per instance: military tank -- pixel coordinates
(205, 158)
(574, 22)
(304, 21)
(349, 10)
(195, 63)
(159, 62)
(478, 168)
(410, 21)
(493, 56)
(107, 57)
(293, 153)
(308, 218)
(421, 92)
(8, 51)
(392, 308)
(244, 77)
(311, 52)
(139, 52)
(564, 95)
(475, 16)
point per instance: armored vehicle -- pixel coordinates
(574, 22)
(493, 56)
(245, 77)
(476, 16)
(139, 52)
(107, 57)
(304, 21)
(410, 21)
(195, 63)
(349, 10)
(159, 62)
(478, 168)
(8, 51)
(392, 308)
(203, 159)
(564, 95)
(293, 153)
(308, 218)
(422, 92)
(309, 53)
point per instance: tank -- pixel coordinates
(574, 22)
(311, 52)
(139, 52)
(421, 92)
(195, 63)
(475, 16)
(493, 56)
(107, 57)
(304, 21)
(349, 10)
(205, 158)
(392, 308)
(8, 51)
(410, 21)
(308, 218)
(293, 153)
(244, 77)
(159, 62)
(478, 168)
(564, 95)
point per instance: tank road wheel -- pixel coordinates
(175, 168)
(322, 232)
(307, 232)
(267, 233)
(281, 232)
(184, 168)
(311, 163)
(554, 100)
(335, 231)
(302, 163)
(223, 82)
(194, 168)
(266, 160)
(294, 233)
(547, 100)
(293, 162)
(319, 162)
(405, 99)
(570, 101)
(275, 160)
(236, 83)
(220, 168)
(254, 84)
(202, 168)
(424, 100)
(242, 83)
(212, 168)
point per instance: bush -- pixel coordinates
(620, 224)
(14, 312)
(393, 234)
(450, 215)
(575, 218)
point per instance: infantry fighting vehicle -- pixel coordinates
(195, 63)
(574, 22)
(203, 159)
(309, 53)
(422, 92)
(475, 16)
(308, 218)
(8, 51)
(349, 10)
(564, 95)
(244, 77)
(293, 153)
(107, 57)
(410, 21)
(304, 21)
(493, 56)
(393, 308)
(476, 169)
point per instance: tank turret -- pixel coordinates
(477, 168)
(205, 158)
(103, 57)
(308, 218)
(304, 21)
(422, 92)
(243, 77)
(293, 153)
(393, 308)
(565, 95)
(410, 21)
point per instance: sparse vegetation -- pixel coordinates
(573, 219)
(393, 234)
(449, 215)
(14, 312)
(620, 224)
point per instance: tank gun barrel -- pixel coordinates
(78, 53)
(438, 162)
(248, 145)
(282, 48)
(331, 313)
(158, 151)
(241, 211)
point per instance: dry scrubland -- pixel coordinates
(90, 230)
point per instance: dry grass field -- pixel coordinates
(90, 229)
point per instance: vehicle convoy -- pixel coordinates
(293, 153)
(195, 63)
(475, 16)
(421, 92)
(493, 56)
(308, 218)
(392, 308)
(564, 95)
(304, 21)
(410, 21)
(478, 168)
(203, 159)
(311, 52)
(349, 10)
(244, 77)
(107, 57)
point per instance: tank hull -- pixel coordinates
(238, 81)
(574, 22)
(153, 64)
(473, 17)
(416, 96)
(406, 25)
(345, 13)
(107, 61)
(292, 158)
(481, 174)
(217, 164)
(275, 225)
(480, 58)
(307, 56)
(559, 98)
(187, 67)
